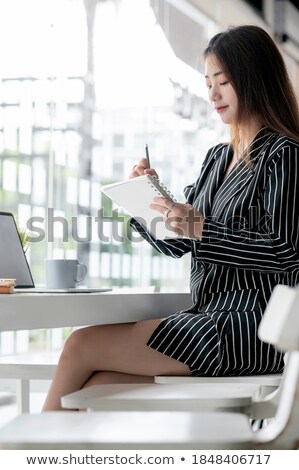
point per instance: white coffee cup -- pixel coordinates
(64, 273)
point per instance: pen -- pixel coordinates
(147, 156)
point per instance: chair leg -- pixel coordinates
(23, 396)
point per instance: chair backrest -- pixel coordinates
(280, 323)
(282, 432)
(280, 327)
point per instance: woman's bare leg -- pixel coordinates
(99, 378)
(108, 348)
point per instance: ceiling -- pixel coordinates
(188, 24)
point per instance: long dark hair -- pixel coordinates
(256, 70)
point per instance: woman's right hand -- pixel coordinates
(141, 168)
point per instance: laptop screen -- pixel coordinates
(13, 262)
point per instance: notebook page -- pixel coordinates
(134, 196)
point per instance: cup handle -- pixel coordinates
(83, 268)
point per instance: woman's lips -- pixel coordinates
(219, 109)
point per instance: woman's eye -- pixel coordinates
(224, 83)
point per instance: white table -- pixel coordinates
(27, 311)
(24, 311)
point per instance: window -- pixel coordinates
(67, 126)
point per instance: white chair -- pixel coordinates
(266, 380)
(245, 397)
(179, 430)
(23, 368)
(168, 397)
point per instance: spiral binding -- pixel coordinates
(161, 188)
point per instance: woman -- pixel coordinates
(240, 223)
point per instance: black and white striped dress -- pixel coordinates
(249, 244)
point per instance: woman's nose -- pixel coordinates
(214, 93)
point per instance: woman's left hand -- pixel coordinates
(182, 219)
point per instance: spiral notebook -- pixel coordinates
(135, 195)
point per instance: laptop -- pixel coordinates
(14, 264)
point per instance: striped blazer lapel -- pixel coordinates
(210, 180)
(241, 174)
(238, 178)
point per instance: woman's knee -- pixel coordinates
(78, 343)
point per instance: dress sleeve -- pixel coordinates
(273, 247)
